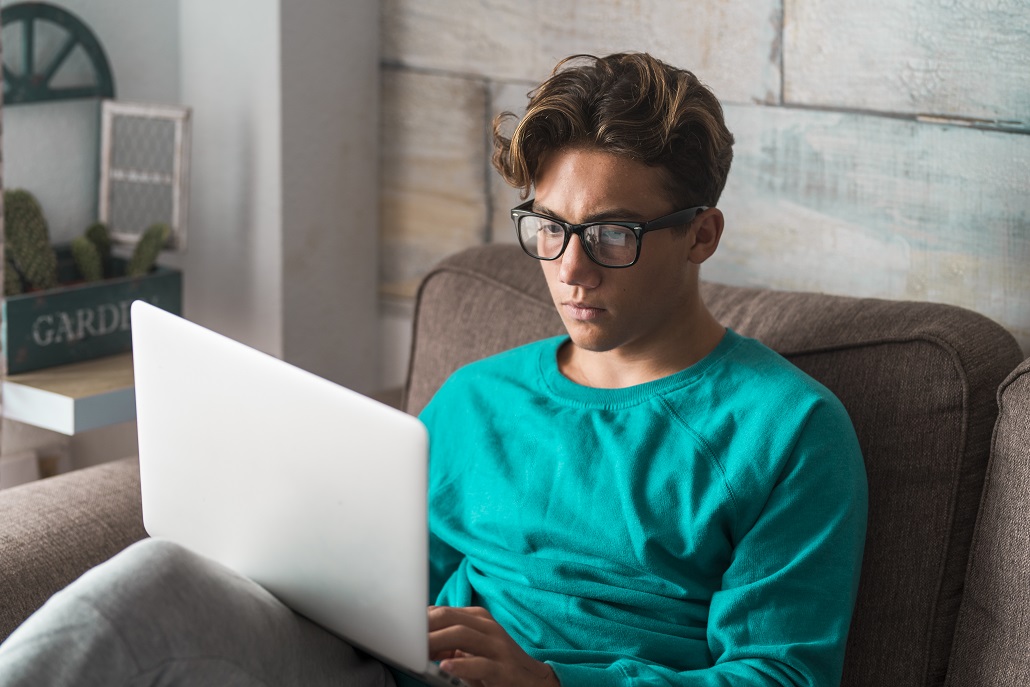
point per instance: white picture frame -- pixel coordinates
(164, 173)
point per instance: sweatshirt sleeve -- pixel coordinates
(784, 608)
(443, 558)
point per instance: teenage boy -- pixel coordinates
(651, 499)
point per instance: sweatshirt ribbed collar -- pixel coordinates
(561, 387)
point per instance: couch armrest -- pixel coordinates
(53, 530)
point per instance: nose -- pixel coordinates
(576, 268)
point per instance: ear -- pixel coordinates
(707, 231)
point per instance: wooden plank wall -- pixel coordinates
(883, 147)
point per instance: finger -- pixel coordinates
(462, 638)
(488, 639)
(445, 616)
(478, 611)
(444, 655)
(475, 611)
(478, 670)
(473, 669)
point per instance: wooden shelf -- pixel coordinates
(73, 398)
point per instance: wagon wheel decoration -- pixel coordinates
(28, 82)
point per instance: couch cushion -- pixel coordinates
(992, 641)
(54, 530)
(917, 378)
(479, 302)
(919, 382)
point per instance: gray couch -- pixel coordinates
(945, 591)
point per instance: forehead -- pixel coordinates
(579, 183)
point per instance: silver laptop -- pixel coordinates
(312, 490)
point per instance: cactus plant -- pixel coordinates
(12, 280)
(100, 237)
(145, 254)
(87, 258)
(92, 252)
(27, 240)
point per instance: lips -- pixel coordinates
(582, 311)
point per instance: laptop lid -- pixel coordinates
(308, 488)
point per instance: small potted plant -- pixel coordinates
(68, 303)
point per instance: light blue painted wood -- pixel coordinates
(874, 206)
(958, 58)
(733, 45)
(504, 97)
(433, 190)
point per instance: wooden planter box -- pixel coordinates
(80, 321)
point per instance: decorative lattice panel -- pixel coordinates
(144, 170)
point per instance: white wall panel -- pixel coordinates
(330, 184)
(504, 97)
(434, 185)
(876, 206)
(967, 58)
(731, 45)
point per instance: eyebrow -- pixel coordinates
(613, 214)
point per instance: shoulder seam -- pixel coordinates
(706, 449)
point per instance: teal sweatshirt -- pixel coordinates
(702, 529)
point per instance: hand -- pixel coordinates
(471, 645)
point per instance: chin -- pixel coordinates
(591, 336)
(594, 344)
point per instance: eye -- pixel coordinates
(616, 237)
(552, 231)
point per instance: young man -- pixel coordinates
(651, 499)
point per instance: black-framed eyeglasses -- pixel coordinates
(608, 243)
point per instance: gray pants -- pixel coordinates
(157, 614)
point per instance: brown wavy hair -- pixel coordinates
(629, 104)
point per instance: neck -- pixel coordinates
(626, 366)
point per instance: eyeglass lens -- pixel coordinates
(608, 244)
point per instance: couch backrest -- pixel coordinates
(918, 380)
(992, 640)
